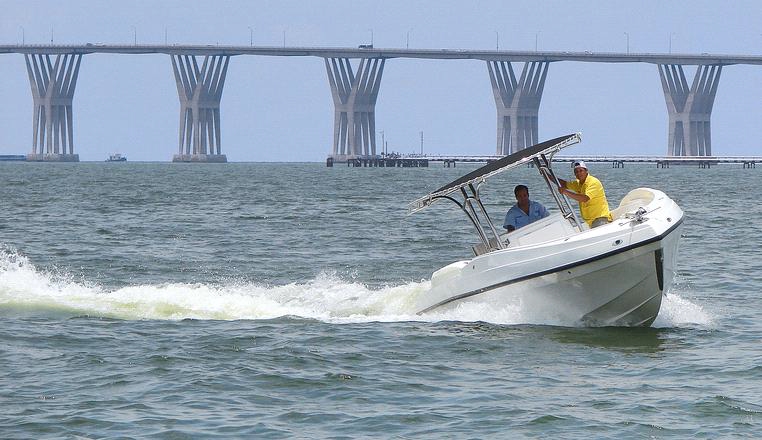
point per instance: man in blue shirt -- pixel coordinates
(525, 211)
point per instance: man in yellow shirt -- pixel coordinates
(588, 191)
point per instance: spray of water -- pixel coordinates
(25, 290)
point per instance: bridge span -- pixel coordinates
(370, 52)
(200, 72)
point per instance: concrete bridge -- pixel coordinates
(517, 78)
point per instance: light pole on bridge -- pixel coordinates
(536, 39)
(251, 36)
(407, 39)
(671, 34)
(22, 36)
(134, 36)
(628, 42)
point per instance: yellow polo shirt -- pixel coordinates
(597, 206)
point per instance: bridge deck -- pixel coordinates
(354, 52)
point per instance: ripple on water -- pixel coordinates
(242, 307)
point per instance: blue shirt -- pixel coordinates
(517, 218)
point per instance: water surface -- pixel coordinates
(276, 300)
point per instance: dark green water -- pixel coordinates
(275, 300)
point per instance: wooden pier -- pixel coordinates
(666, 161)
(12, 157)
(417, 160)
(382, 162)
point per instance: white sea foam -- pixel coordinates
(26, 290)
(678, 311)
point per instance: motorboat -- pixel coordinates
(611, 275)
(116, 157)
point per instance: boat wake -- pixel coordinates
(27, 291)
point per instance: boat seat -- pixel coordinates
(630, 203)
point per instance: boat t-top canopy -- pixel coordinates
(468, 186)
(480, 175)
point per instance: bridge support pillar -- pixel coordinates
(53, 87)
(689, 108)
(354, 99)
(518, 103)
(200, 93)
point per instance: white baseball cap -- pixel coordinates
(579, 163)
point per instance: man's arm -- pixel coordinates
(578, 197)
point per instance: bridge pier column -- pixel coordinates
(354, 99)
(53, 87)
(689, 108)
(517, 102)
(200, 93)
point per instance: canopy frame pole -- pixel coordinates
(486, 215)
(468, 208)
(464, 207)
(546, 171)
(474, 216)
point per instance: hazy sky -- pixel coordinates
(280, 108)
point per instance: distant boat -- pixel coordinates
(116, 157)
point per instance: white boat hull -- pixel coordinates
(611, 275)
